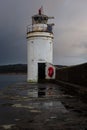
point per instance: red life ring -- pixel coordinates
(50, 71)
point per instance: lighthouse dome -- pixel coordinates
(39, 19)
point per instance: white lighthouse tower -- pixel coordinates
(39, 46)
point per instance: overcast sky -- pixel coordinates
(70, 30)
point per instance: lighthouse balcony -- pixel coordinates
(39, 28)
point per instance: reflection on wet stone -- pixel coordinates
(40, 107)
(41, 91)
(33, 93)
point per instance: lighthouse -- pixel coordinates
(39, 46)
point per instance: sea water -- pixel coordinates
(9, 79)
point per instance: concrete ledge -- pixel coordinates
(73, 88)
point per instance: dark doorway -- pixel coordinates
(41, 71)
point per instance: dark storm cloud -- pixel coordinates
(70, 29)
(12, 36)
(15, 15)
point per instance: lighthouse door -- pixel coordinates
(41, 71)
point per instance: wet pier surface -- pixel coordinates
(45, 106)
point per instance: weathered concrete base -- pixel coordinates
(32, 81)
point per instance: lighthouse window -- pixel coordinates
(49, 28)
(35, 18)
(40, 19)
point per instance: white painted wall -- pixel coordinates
(39, 49)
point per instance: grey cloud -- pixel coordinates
(69, 31)
(82, 45)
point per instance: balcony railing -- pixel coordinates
(39, 28)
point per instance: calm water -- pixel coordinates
(6, 80)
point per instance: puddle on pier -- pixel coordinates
(42, 91)
(47, 94)
(41, 103)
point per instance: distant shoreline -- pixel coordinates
(13, 69)
(13, 73)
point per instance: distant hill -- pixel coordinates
(17, 68)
